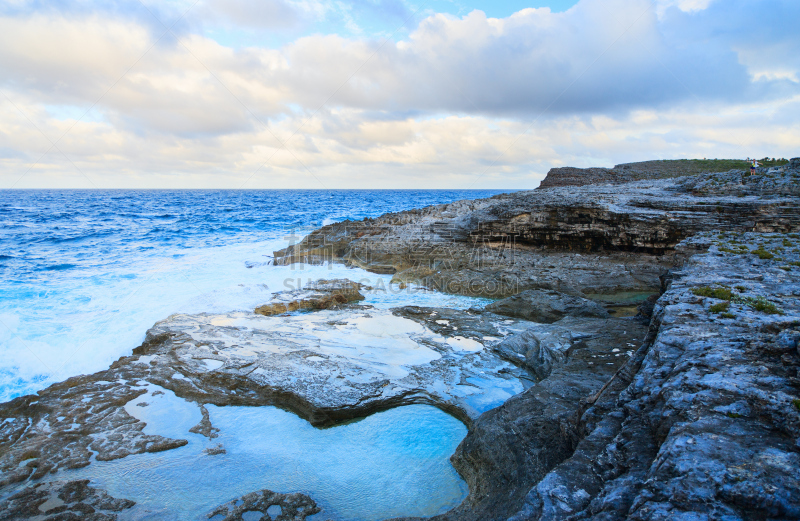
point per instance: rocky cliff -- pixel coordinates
(599, 239)
(583, 400)
(628, 172)
(702, 420)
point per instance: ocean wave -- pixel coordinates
(59, 267)
(98, 268)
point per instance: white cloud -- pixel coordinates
(271, 14)
(684, 5)
(459, 99)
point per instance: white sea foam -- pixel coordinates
(88, 323)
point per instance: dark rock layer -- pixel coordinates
(626, 235)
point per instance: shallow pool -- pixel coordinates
(394, 463)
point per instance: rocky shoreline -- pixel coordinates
(640, 360)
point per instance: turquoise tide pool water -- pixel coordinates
(393, 463)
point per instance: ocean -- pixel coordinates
(85, 273)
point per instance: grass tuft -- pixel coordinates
(720, 307)
(762, 253)
(720, 293)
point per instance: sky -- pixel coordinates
(329, 94)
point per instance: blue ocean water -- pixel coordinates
(85, 273)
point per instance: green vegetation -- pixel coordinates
(717, 165)
(740, 289)
(796, 403)
(723, 165)
(762, 253)
(727, 315)
(720, 307)
(660, 169)
(721, 293)
(725, 294)
(760, 304)
(765, 306)
(740, 250)
(785, 268)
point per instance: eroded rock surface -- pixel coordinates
(322, 294)
(709, 426)
(596, 239)
(510, 448)
(701, 422)
(67, 423)
(335, 365)
(327, 366)
(62, 501)
(269, 505)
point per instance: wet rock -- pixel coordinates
(645, 309)
(62, 500)
(204, 427)
(335, 365)
(538, 349)
(510, 448)
(546, 306)
(215, 450)
(328, 367)
(266, 505)
(322, 294)
(64, 424)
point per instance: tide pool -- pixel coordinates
(393, 463)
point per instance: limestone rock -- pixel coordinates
(271, 505)
(510, 448)
(546, 306)
(705, 422)
(596, 239)
(62, 500)
(322, 294)
(62, 426)
(335, 365)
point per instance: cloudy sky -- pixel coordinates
(386, 93)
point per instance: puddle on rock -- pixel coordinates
(394, 463)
